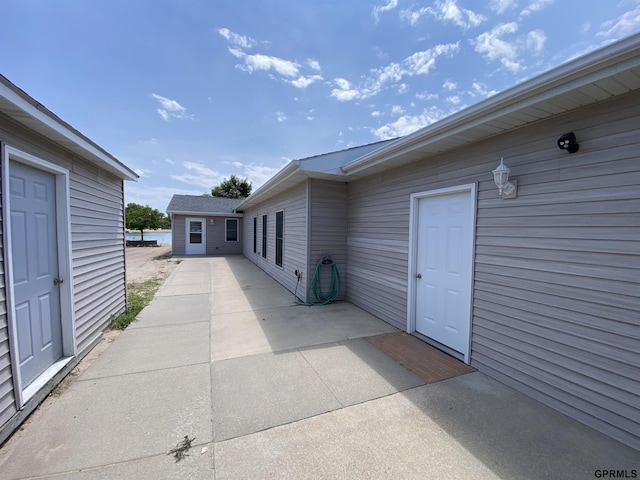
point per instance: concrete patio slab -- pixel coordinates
(188, 278)
(100, 422)
(254, 332)
(351, 321)
(153, 348)
(198, 465)
(244, 300)
(355, 371)
(302, 396)
(189, 287)
(173, 310)
(275, 389)
(467, 427)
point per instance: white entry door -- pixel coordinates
(444, 268)
(35, 271)
(196, 243)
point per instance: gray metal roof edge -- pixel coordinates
(58, 127)
(603, 60)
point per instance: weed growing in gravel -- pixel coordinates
(139, 294)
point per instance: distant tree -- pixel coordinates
(166, 222)
(234, 187)
(142, 218)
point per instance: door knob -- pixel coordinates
(419, 276)
(57, 281)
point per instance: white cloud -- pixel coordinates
(375, 114)
(397, 110)
(536, 40)
(259, 174)
(535, 6)
(170, 108)
(408, 124)
(501, 44)
(454, 100)
(199, 175)
(427, 96)
(151, 141)
(344, 92)
(627, 23)
(252, 63)
(289, 71)
(239, 40)
(448, 11)
(281, 116)
(492, 45)
(449, 85)
(304, 82)
(169, 161)
(414, 16)
(419, 63)
(480, 89)
(501, 6)
(314, 64)
(377, 10)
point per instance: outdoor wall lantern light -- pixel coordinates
(506, 189)
(568, 142)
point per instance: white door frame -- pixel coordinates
(187, 234)
(63, 230)
(413, 252)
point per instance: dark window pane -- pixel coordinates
(279, 237)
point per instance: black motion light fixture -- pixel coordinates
(568, 142)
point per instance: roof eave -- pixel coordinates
(559, 81)
(207, 214)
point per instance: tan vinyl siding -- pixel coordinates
(556, 303)
(178, 235)
(216, 239)
(97, 235)
(294, 204)
(328, 230)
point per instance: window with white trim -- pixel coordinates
(264, 236)
(231, 229)
(279, 236)
(255, 234)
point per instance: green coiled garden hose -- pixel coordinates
(315, 286)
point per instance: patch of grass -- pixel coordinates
(139, 294)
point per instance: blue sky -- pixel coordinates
(188, 92)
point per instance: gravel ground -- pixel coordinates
(144, 263)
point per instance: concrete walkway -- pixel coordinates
(268, 389)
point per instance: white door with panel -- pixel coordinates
(196, 241)
(444, 269)
(35, 277)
